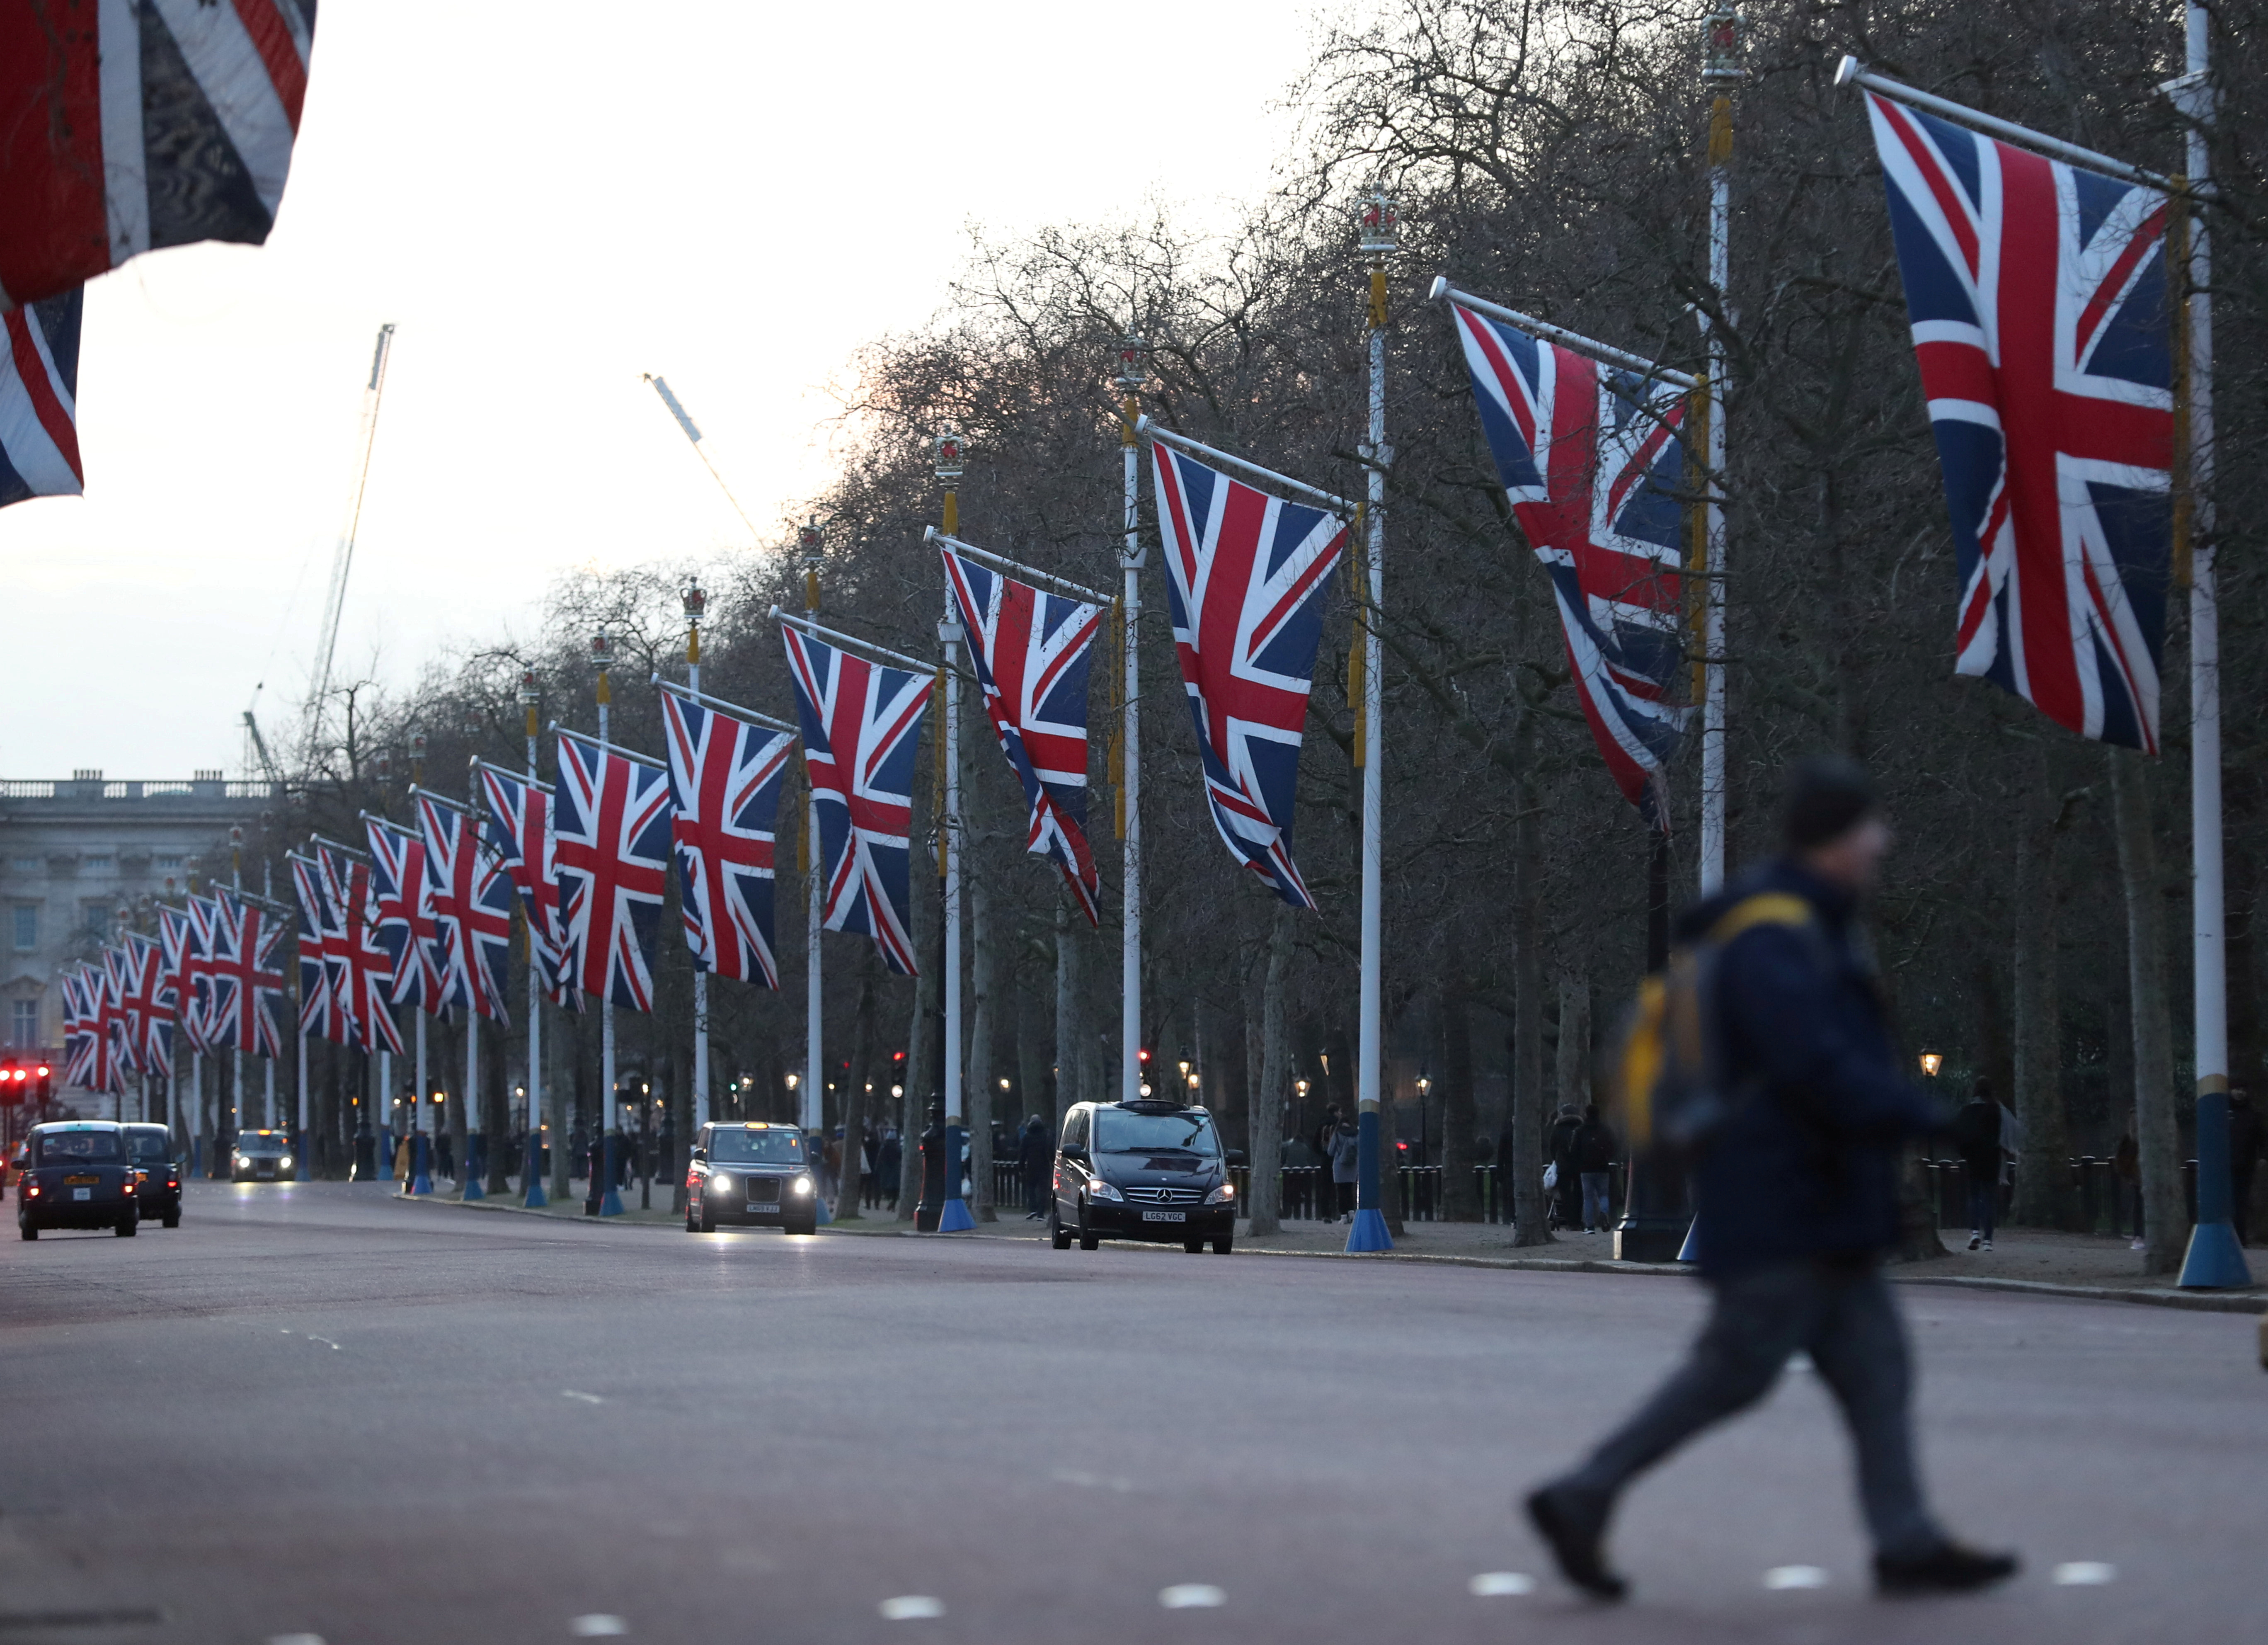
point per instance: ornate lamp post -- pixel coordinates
(603, 1200)
(951, 1214)
(1125, 761)
(532, 1195)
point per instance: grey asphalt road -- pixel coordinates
(312, 1411)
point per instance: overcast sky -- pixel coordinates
(549, 201)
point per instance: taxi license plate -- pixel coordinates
(763, 1207)
(75, 1181)
(81, 1194)
(1165, 1216)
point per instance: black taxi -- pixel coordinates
(156, 1173)
(264, 1156)
(750, 1173)
(77, 1176)
(1141, 1170)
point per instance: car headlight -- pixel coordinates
(1221, 1195)
(802, 1185)
(242, 1158)
(285, 1161)
(721, 1182)
(1100, 1189)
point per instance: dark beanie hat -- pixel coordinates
(1826, 794)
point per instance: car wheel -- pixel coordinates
(708, 1216)
(129, 1225)
(173, 1218)
(1195, 1247)
(27, 1230)
(1222, 1247)
(1086, 1237)
(1057, 1234)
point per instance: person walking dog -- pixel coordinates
(1796, 1198)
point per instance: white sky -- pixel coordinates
(548, 202)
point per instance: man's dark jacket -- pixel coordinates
(1806, 1167)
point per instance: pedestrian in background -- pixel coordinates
(1797, 1190)
(1594, 1156)
(1346, 1156)
(1559, 1153)
(1976, 1133)
(2244, 1141)
(1037, 1152)
(2126, 1166)
(889, 1163)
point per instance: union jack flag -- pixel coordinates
(205, 938)
(1246, 574)
(472, 904)
(2038, 293)
(179, 943)
(1592, 461)
(82, 1023)
(366, 974)
(725, 781)
(520, 832)
(323, 1010)
(145, 1001)
(861, 725)
(403, 913)
(248, 986)
(113, 1055)
(1031, 650)
(611, 844)
(38, 400)
(142, 126)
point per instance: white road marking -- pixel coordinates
(576, 1393)
(597, 1627)
(1096, 1481)
(911, 1608)
(1782, 1576)
(1490, 1584)
(2085, 1574)
(1191, 1597)
(325, 1341)
(295, 1639)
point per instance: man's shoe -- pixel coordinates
(1948, 1568)
(1974, 1240)
(1572, 1533)
(1988, 1244)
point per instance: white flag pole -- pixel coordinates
(954, 1215)
(695, 601)
(609, 1201)
(813, 1113)
(532, 1192)
(1133, 372)
(1723, 73)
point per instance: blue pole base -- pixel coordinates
(955, 1219)
(421, 1167)
(610, 1203)
(1367, 1232)
(1690, 1251)
(472, 1172)
(2215, 1261)
(534, 1199)
(820, 1216)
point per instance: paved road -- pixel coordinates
(314, 1410)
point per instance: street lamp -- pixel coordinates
(1133, 363)
(1931, 1062)
(1381, 225)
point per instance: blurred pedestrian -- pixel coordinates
(2244, 1140)
(2126, 1166)
(1594, 1154)
(1560, 1154)
(1037, 1152)
(889, 1163)
(1346, 1158)
(1976, 1133)
(1797, 1197)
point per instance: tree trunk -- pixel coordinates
(1526, 1163)
(2043, 1173)
(977, 1089)
(454, 1071)
(1068, 1034)
(495, 1108)
(2165, 1223)
(927, 934)
(854, 1093)
(1572, 1076)
(1460, 1115)
(1032, 1051)
(1266, 1209)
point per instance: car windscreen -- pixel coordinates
(249, 1144)
(70, 1147)
(147, 1148)
(1118, 1132)
(757, 1147)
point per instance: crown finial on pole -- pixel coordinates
(695, 603)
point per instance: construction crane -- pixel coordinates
(661, 387)
(326, 644)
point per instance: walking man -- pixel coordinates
(1976, 1133)
(1594, 1156)
(1797, 1200)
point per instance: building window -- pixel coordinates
(24, 925)
(169, 865)
(97, 919)
(24, 1023)
(95, 865)
(28, 865)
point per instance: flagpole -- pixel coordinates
(1368, 1231)
(2214, 1259)
(812, 1113)
(1720, 71)
(1133, 372)
(268, 1064)
(381, 1157)
(954, 1215)
(605, 1201)
(532, 1195)
(695, 601)
(420, 1180)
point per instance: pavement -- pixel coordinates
(316, 1413)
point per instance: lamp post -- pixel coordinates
(812, 546)
(1721, 72)
(1381, 238)
(953, 1215)
(1931, 1062)
(603, 1200)
(1133, 375)
(532, 1194)
(696, 602)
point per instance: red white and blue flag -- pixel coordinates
(1593, 461)
(38, 400)
(1247, 574)
(611, 844)
(401, 902)
(198, 1005)
(144, 998)
(115, 1055)
(322, 956)
(82, 1022)
(130, 127)
(2037, 294)
(519, 833)
(471, 906)
(725, 781)
(370, 968)
(1031, 650)
(861, 728)
(248, 986)
(176, 945)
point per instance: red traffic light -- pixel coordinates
(1144, 1054)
